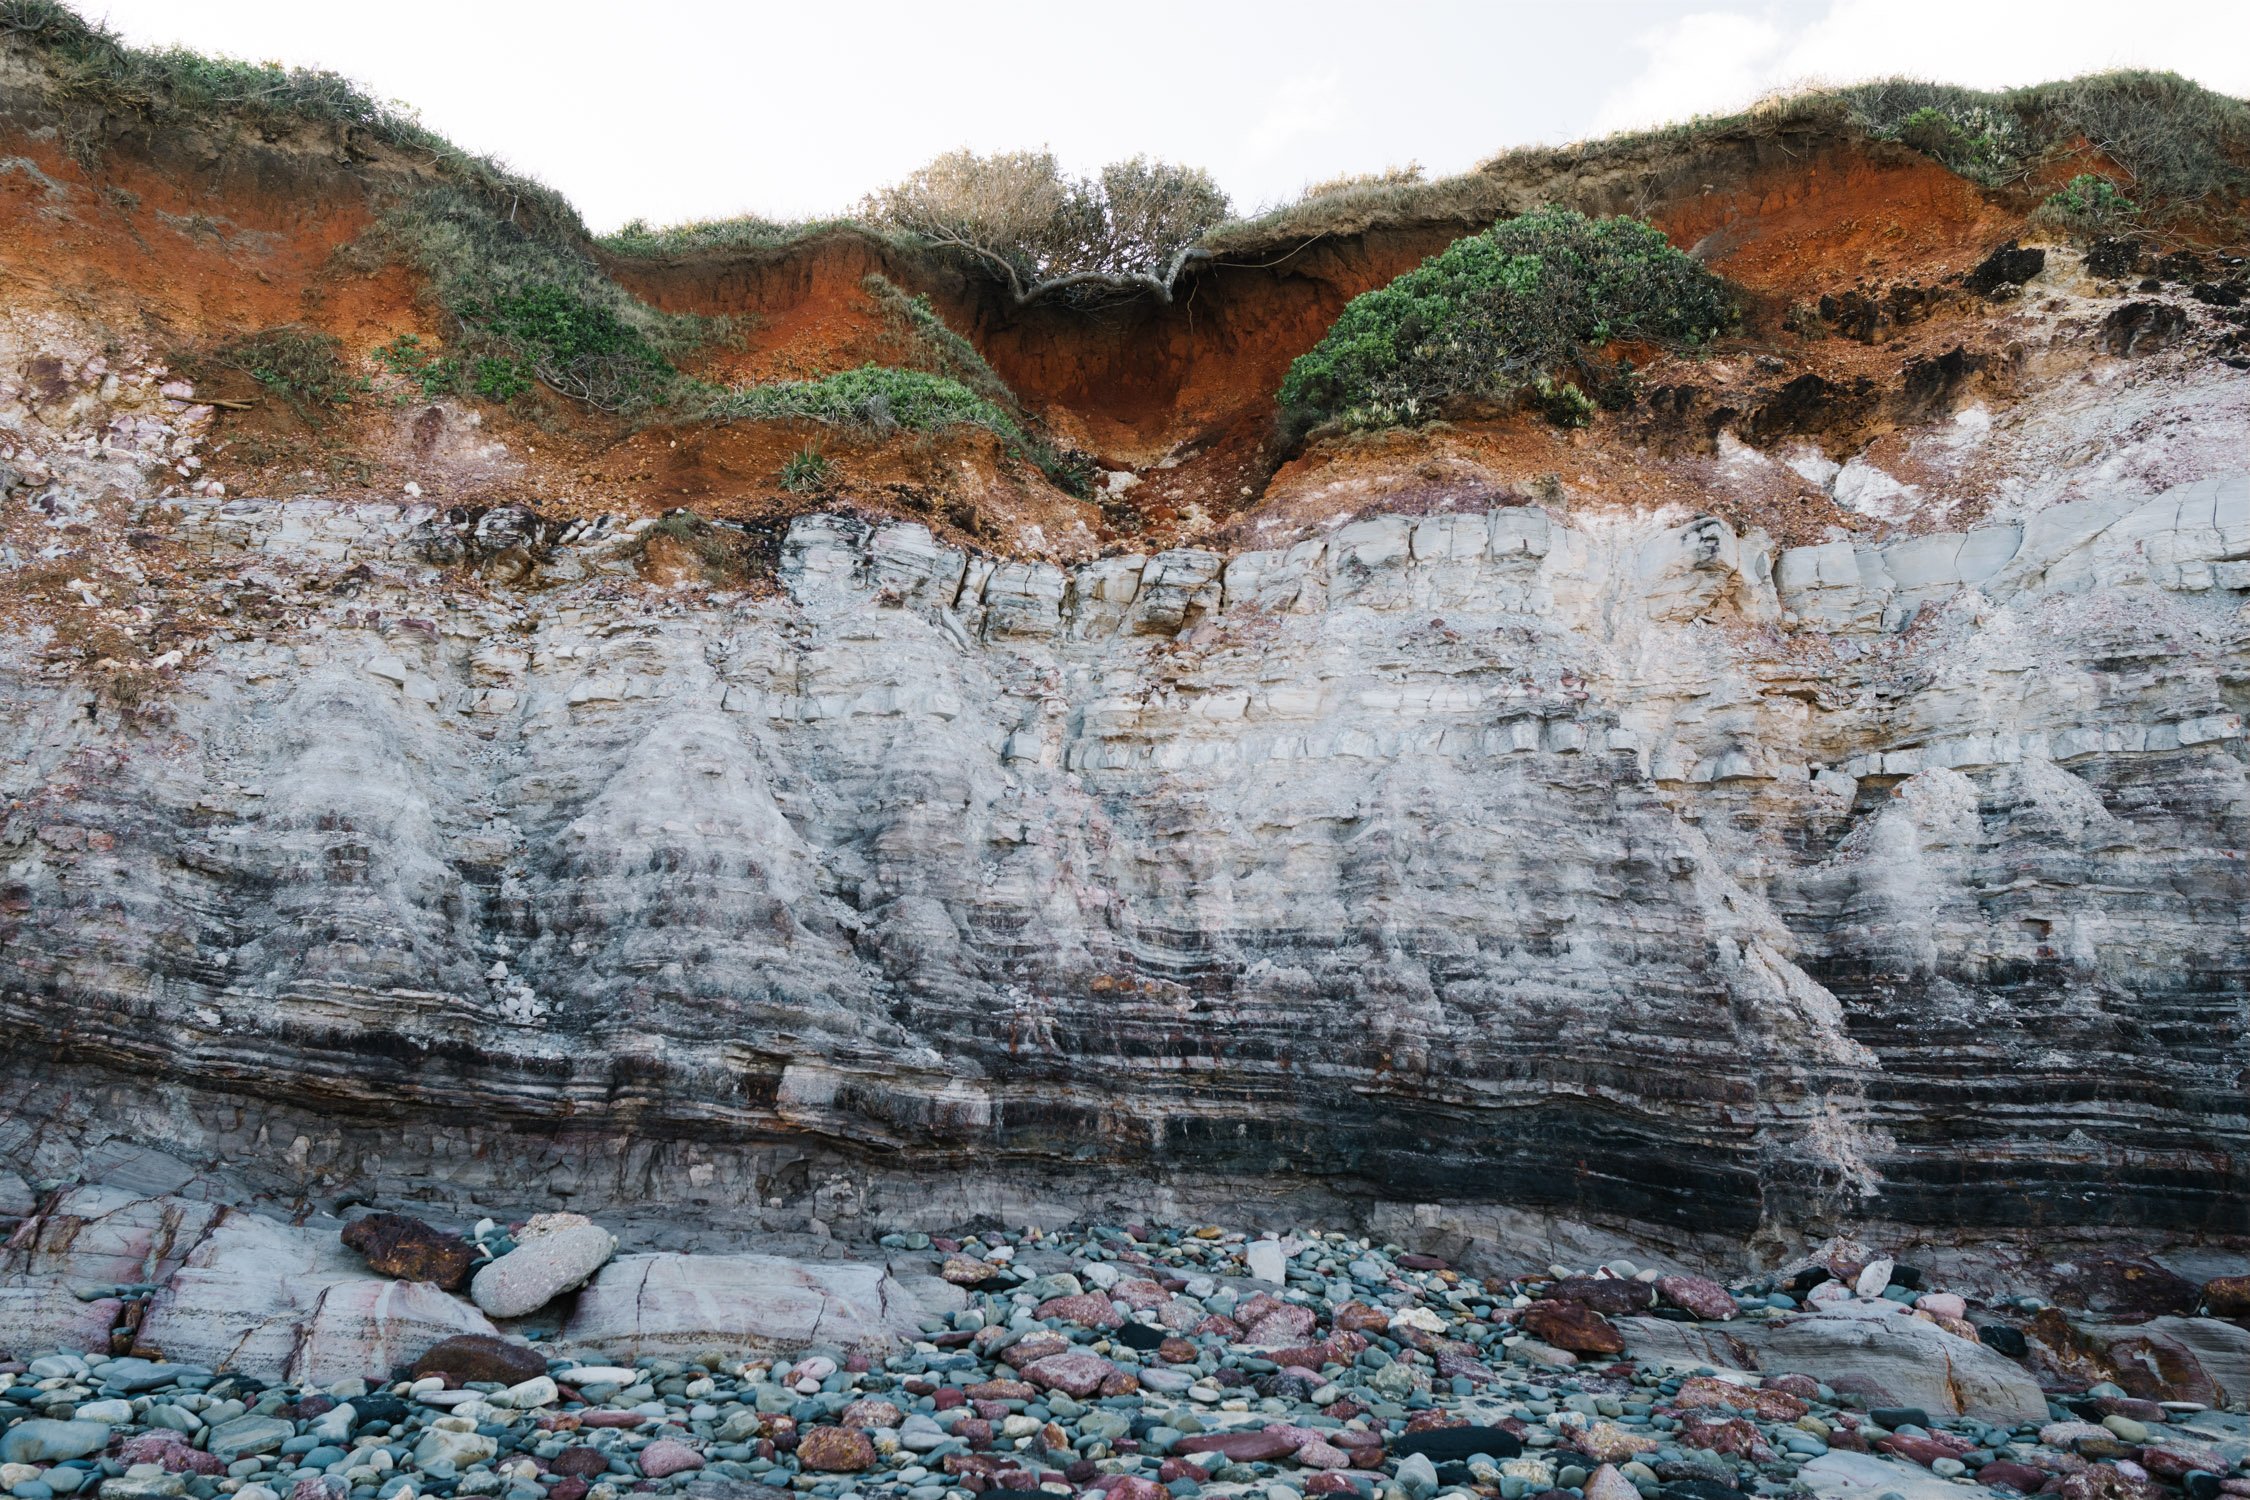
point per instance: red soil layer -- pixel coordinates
(198, 250)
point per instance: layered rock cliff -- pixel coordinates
(1809, 795)
(1609, 866)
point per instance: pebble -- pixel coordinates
(1373, 1375)
(43, 1440)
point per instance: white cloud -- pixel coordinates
(1302, 106)
(1700, 64)
(1716, 60)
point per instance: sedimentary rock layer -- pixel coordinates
(1621, 868)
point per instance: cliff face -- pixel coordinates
(1811, 796)
(1612, 867)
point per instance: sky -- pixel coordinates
(671, 110)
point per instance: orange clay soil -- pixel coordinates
(196, 251)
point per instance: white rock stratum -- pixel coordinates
(1617, 868)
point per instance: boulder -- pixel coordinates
(276, 1301)
(1839, 1475)
(1684, 1345)
(45, 1314)
(1701, 1392)
(555, 1253)
(2227, 1297)
(683, 1305)
(835, 1450)
(2163, 1359)
(1880, 1351)
(481, 1357)
(1078, 1375)
(1257, 1445)
(1706, 1299)
(1610, 1296)
(1571, 1325)
(1451, 1444)
(406, 1249)
(668, 1456)
(43, 1440)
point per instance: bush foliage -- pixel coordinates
(303, 366)
(806, 472)
(884, 399)
(926, 341)
(2173, 139)
(1501, 314)
(1043, 231)
(872, 396)
(527, 305)
(2088, 203)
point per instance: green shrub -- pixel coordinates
(501, 379)
(577, 343)
(528, 305)
(931, 342)
(2088, 202)
(1494, 313)
(1981, 143)
(883, 398)
(2175, 140)
(433, 373)
(1560, 402)
(303, 366)
(872, 396)
(806, 472)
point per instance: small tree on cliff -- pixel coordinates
(1045, 233)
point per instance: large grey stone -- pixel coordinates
(555, 1253)
(641, 1306)
(43, 1440)
(1880, 1351)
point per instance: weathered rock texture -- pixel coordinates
(1621, 868)
(284, 1301)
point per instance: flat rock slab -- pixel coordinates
(38, 1313)
(1686, 1345)
(1878, 1350)
(280, 1302)
(670, 1304)
(1837, 1473)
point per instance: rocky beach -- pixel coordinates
(1136, 1361)
(1573, 830)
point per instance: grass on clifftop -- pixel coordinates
(175, 87)
(1504, 314)
(505, 257)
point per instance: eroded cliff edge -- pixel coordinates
(1612, 867)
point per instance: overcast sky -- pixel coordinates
(684, 109)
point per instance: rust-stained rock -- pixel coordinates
(1571, 1325)
(406, 1249)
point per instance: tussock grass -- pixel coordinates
(172, 87)
(526, 304)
